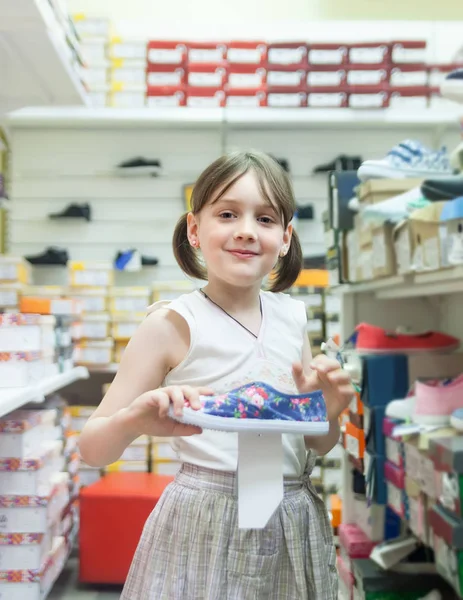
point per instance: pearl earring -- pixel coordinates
(283, 252)
(194, 243)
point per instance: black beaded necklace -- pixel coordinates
(231, 316)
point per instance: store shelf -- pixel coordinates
(37, 64)
(13, 398)
(342, 118)
(108, 118)
(432, 283)
(104, 368)
(242, 118)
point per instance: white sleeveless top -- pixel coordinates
(223, 356)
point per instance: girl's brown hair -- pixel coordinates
(275, 187)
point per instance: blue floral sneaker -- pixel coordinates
(261, 408)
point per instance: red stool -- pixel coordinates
(113, 512)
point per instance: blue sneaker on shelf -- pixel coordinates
(456, 419)
(452, 86)
(261, 408)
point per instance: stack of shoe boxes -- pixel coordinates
(353, 544)
(65, 312)
(127, 307)
(28, 349)
(164, 460)
(34, 494)
(89, 282)
(15, 274)
(78, 417)
(128, 73)
(94, 34)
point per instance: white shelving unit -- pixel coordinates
(235, 118)
(13, 398)
(36, 63)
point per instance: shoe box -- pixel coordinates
(371, 582)
(206, 52)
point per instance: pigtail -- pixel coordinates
(185, 255)
(288, 267)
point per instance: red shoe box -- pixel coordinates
(409, 97)
(165, 75)
(205, 97)
(158, 96)
(287, 54)
(247, 53)
(327, 54)
(167, 53)
(368, 97)
(326, 76)
(437, 73)
(370, 53)
(286, 97)
(247, 77)
(370, 75)
(327, 97)
(415, 75)
(408, 51)
(207, 52)
(246, 98)
(281, 76)
(207, 75)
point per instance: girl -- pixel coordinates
(211, 341)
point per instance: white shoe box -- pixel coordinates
(31, 476)
(34, 514)
(20, 369)
(23, 432)
(23, 551)
(35, 584)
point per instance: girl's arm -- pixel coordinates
(321, 444)
(159, 344)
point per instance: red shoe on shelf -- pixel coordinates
(375, 340)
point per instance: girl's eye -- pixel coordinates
(266, 220)
(226, 215)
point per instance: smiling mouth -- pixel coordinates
(243, 253)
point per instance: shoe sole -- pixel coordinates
(432, 420)
(367, 172)
(452, 89)
(366, 351)
(231, 424)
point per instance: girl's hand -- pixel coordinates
(149, 413)
(327, 376)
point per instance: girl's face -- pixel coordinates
(240, 235)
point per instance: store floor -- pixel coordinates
(68, 588)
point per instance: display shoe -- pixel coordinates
(446, 188)
(283, 162)
(375, 340)
(149, 261)
(452, 86)
(139, 167)
(401, 409)
(397, 208)
(408, 159)
(305, 213)
(128, 260)
(74, 211)
(261, 408)
(50, 256)
(343, 162)
(436, 403)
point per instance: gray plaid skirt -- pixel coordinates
(191, 547)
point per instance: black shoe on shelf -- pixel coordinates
(315, 262)
(74, 211)
(305, 213)
(343, 162)
(445, 188)
(50, 256)
(283, 162)
(149, 261)
(139, 167)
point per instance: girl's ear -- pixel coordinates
(192, 227)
